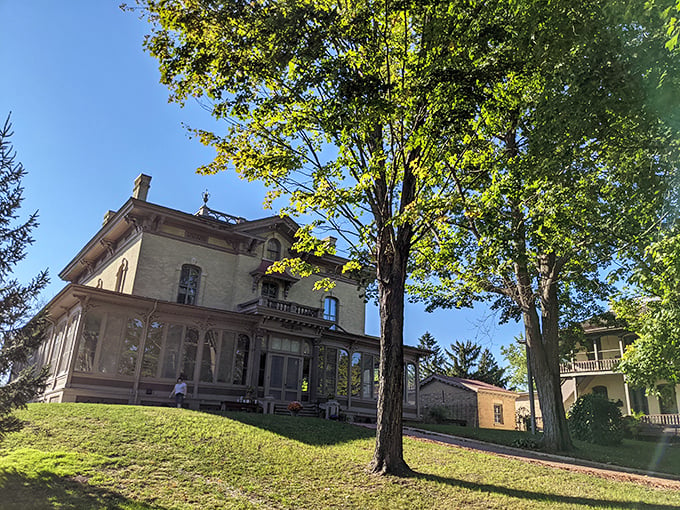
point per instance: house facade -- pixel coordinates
(470, 402)
(592, 370)
(159, 294)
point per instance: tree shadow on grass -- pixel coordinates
(543, 497)
(311, 431)
(48, 491)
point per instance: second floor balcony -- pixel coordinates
(286, 310)
(591, 366)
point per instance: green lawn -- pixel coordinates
(661, 457)
(83, 456)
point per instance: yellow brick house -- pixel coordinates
(159, 293)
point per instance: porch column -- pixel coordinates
(575, 389)
(627, 391)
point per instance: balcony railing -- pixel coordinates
(281, 306)
(593, 365)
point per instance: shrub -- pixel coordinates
(596, 420)
(528, 443)
(437, 414)
(632, 425)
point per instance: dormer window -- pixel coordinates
(270, 290)
(188, 284)
(273, 249)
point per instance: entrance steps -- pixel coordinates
(308, 410)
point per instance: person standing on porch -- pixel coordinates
(179, 391)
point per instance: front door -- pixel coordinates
(285, 376)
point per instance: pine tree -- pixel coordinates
(435, 363)
(20, 335)
(488, 370)
(463, 356)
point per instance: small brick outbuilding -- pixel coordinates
(476, 403)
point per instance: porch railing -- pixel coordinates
(282, 306)
(594, 365)
(669, 420)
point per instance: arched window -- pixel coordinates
(120, 275)
(601, 391)
(330, 309)
(273, 249)
(188, 284)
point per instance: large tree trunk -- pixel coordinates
(545, 368)
(388, 457)
(542, 338)
(543, 341)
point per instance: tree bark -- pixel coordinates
(388, 457)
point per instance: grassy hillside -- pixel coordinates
(82, 456)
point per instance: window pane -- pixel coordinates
(152, 349)
(330, 309)
(58, 340)
(270, 290)
(226, 358)
(273, 249)
(367, 376)
(189, 353)
(356, 374)
(209, 360)
(68, 347)
(410, 383)
(108, 357)
(376, 376)
(88, 342)
(171, 357)
(343, 370)
(188, 284)
(241, 360)
(329, 373)
(130, 347)
(276, 378)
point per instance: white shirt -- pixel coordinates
(180, 387)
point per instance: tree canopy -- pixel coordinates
(652, 310)
(353, 111)
(568, 175)
(499, 141)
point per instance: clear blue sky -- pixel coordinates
(89, 115)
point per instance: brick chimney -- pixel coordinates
(142, 185)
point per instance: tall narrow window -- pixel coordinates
(498, 413)
(188, 284)
(120, 275)
(88, 342)
(355, 374)
(410, 385)
(241, 360)
(273, 249)
(330, 309)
